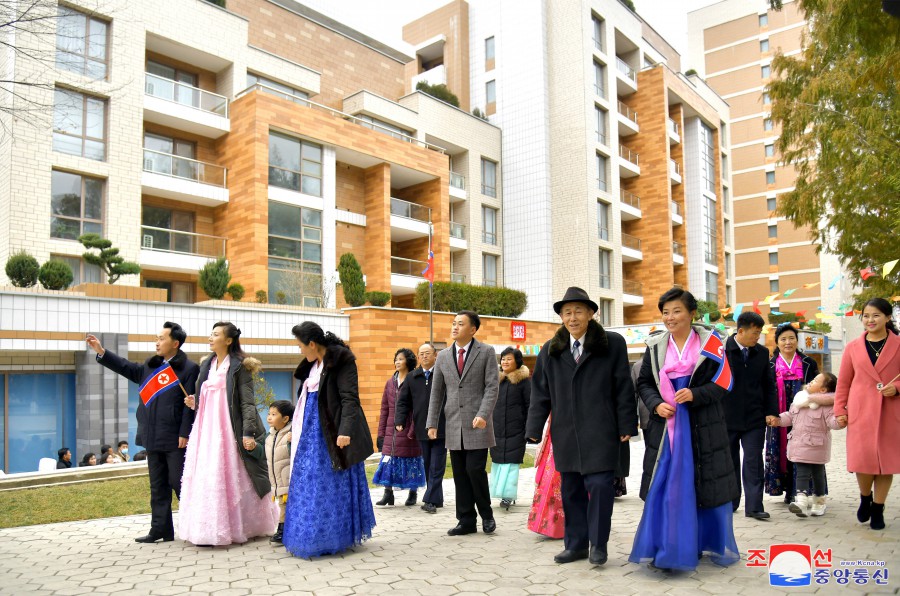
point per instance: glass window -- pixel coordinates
(766, 98)
(295, 164)
(728, 266)
(295, 255)
(489, 269)
(771, 204)
(601, 173)
(489, 48)
(605, 279)
(387, 128)
(605, 312)
(603, 220)
(710, 248)
(3, 464)
(770, 150)
(160, 230)
(79, 124)
(279, 89)
(82, 273)
(770, 177)
(173, 84)
(767, 124)
(763, 20)
(600, 79)
(41, 418)
(490, 92)
(81, 43)
(707, 158)
(179, 292)
(773, 231)
(712, 287)
(489, 217)
(773, 285)
(597, 23)
(488, 177)
(600, 122)
(76, 205)
(766, 71)
(773, 258)
(764, 45)
(170, 156)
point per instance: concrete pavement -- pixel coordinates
(411, 554)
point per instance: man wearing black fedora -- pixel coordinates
(582, 378)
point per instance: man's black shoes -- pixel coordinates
(569, 556)
(489, 525)
(461, 530)
(598, 556)
(151, 538)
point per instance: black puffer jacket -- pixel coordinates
(510, 414)
(714, 478)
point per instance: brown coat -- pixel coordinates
(278, 452)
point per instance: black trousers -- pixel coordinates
(816, 472)
(752, 473)
(587, 501)
(435, 455)
(165, 469)
(471, 482)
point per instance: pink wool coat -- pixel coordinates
(809, 441)
(873, 420)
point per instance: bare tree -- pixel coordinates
(298, 285)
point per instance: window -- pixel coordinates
(770, 177)
(724, 166)
(712, 286)
(773, 285)
(169, 230)
(295, 164)
(76, 205)
(763, 20)
(726, 200)
(39, 418)
(728, 266)
(79, 124)
(605, 258)
(490, 92)
(766, 71)
(764, 46)
(488, 177)
(170, 83)
(767, 124)
(387, 128)
(179, 292)
(766, 98)
(489, 270)
(771, 204)
(773, 258)
(81, 43)
(603, 220)
(170, 156)
(276, 88)
(489, 220)
(600, 79)
(605, 312)
(600, 121)
(489, 55)
(770, 150)
(707, 158)
(601, 172)
(82, 273)
(773, 231)
(295, 254)
(709, 231)
(597, 23)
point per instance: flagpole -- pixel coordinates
(430, 295)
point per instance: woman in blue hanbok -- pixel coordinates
(688, 482)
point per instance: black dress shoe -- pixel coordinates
(429, 508)
(598, 556)
(489, 525)
(151, 538)
(568, 556)
(758, 514)
(461, 530)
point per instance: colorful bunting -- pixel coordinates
(787, 293)
(756, 307)
(738, 308)
(834, 281)
(770, 298)
(888, 267)
(808, 286)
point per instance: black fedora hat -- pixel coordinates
(575, 294)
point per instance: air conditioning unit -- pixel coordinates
(148, 241)
(148, 165)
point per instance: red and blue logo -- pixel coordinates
(790, 565)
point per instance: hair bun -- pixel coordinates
(238, 334)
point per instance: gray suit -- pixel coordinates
(463, 398)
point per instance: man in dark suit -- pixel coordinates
(464, 388)
(414, 395)
(164, 425)
(752, 403)
(582, 378)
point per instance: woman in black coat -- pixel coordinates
(510, 415)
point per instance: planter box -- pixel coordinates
(123, 292)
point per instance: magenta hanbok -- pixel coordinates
(219, 505)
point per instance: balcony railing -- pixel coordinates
(401, 266)
(674, 168)
(676, 208)
(487, 190)
(632, 242)
(457, 230)
(185, 94)
(629, 155)
(598, 44)
(635, 288)
(600, 90)
(402, 208)
(457, 181)
(176, 166)
(458, 278)
(489, 237)
(626, 70)
(628, 112)
(630, 199)
(188, 243)
(673, 126)
(603, 232)
(678, 249)
(601, 137)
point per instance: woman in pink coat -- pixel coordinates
(866, 402)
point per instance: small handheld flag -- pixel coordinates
(714, 349)
(428, 273)
(160, 380)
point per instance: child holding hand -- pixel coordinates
(278, 453)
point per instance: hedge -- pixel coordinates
(454, 297)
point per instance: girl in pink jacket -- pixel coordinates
(809, 443)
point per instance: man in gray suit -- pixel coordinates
(465, 385)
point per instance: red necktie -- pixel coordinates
(461, 361)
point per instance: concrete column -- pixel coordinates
(102, 398)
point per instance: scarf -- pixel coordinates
(675, 367)
(784, 374)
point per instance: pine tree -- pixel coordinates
(108, 259)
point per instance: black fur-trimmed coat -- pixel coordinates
(592, 401)
(510, 414)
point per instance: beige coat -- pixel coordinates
(278, 452)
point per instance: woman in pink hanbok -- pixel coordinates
(546, 516)
(225, 491)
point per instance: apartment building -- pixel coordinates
(615, 173)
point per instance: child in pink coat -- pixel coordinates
(809, 443)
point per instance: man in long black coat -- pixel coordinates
(582, 378)
(164, 426)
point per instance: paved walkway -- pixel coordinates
(411, 554)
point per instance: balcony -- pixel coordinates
(632, 293)
(674, 172)
(457, 187)
(458, 237)
(409, 220)
(174, 251)
(629, 162)
(626, 77)
(458, 278)
(434, 76)
(183, 179)
(673, 131)
(184, 107)
(677, 253)
(631, 249)
(406, 274)
(677, 216)
(629, 205)
(628, 121)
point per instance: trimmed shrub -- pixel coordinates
(441, 92)
(261, 296)
(280, 298)
(108, 259)
(236, 291)
(352, 282)
(22, 269)
(55, 275)
(785, 317)
(453, 297)
(214, 278)
(378, 298)
(707, 307)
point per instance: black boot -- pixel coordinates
(387, 498)
(877, 522)
(411, 499)
(276, 537)
(865, 508)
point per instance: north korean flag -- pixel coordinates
(160, 380)
(428, 273)
(714, 349)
